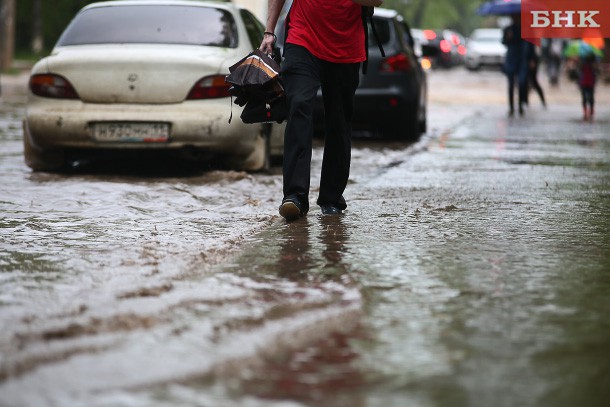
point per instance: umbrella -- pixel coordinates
(581, 49)
(596, 42)
(255, 69)
(256, 85)
(499, 8)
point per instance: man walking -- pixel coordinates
(325, 44)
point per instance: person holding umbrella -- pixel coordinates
(516, 61)
(584, 57)
(587, 76)
(586, 82)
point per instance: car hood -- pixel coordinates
(135, 73)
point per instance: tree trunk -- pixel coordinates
(37, 38)
(7, 33)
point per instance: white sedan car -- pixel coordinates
(484, 48)
(146, 75)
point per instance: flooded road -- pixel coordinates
(471, 269)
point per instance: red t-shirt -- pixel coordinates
(330, 29)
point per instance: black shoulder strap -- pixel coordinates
(367, 17)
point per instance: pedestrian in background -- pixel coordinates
(325, 44)
(552, 55)
(533, 65)
(515, 64)
(587, 69)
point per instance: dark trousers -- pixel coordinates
(522, 89)
(588, 97)
(303, 74)
(533, 81)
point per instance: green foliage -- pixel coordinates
(56, 15)
(459, 15)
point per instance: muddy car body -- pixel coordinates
(146, 76)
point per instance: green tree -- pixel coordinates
(43, 25)
(7, 33)
(459, 15)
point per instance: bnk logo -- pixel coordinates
(564, 19)
(543, 18)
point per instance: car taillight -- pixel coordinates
(395, 63)
(426, 63)
(445, 46)
(461, 50)
(210, 87)
(52, 86)
(429, 35)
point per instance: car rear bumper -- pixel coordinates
(377, 108)
(477, 60)
(200, 124)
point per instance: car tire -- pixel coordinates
(408, 129)
(38, 159)
(260, 158)
(267, 152)
(413, 123)
(423, 113)
(423, 125)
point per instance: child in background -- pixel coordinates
(586, 82)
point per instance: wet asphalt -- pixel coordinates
(482, 264)
(471, 268)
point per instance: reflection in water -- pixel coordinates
(295, 259)
(322, 257)
(334, 236)
(326, 370)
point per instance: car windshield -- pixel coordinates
(152, 24)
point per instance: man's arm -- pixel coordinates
(273, 13)
(375, 3)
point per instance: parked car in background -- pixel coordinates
(484, 48)
(421, 44)
(449, 47)
(391, 99)
(144, 76)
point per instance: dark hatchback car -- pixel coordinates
(392, 96)
(447, 47)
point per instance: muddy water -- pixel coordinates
(471, 269)
(110, 276)
(482, 268)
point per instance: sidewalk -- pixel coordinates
(481, 263)
(14, 87)
(459, 86)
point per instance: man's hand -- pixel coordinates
(267, 43)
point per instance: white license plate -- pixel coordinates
(130, 132)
